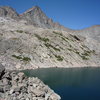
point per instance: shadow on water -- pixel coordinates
(71, 83)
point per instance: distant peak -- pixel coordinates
(33, 8)
(37, 7)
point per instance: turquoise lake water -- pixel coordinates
(71, 83)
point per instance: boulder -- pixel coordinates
(39, 93)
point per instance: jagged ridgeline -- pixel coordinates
(34, 16)
(32, 40)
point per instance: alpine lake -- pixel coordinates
(70, 83)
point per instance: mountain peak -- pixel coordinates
(34, 16)
(38, 18)
(32, 9)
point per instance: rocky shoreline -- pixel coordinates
(16, 86)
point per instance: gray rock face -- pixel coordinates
(19, 87)
(6, 11)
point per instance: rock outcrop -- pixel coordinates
(6, 11)
(16, 86)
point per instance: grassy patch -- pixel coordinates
(17, 57)
(57, 33)
(19, 31)
(42, 38)
(77, 52)
(69, 49)
(84, 57)
(64, 39)
(48, 45)
(27, 59)
(59, 58)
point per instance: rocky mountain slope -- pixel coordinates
(24, 45)
(34, 16)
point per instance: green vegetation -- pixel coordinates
(84, 57)
(59, 58)
(86, 53)
(58, 33)
(46, 40)
(27, 59)
(64, 39)
(48, 45)
(19, 31)
(17, 57)
(77, 52)
(69, 49)
(42, 38)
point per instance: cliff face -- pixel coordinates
(34, 41)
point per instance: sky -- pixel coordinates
(74, 14)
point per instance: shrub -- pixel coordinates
(26, 59)
(22, 58)
(49, 45)
(57, 33)
(59, 58)
(19, 31)
(42, 38)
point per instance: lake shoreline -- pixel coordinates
(52, 67)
